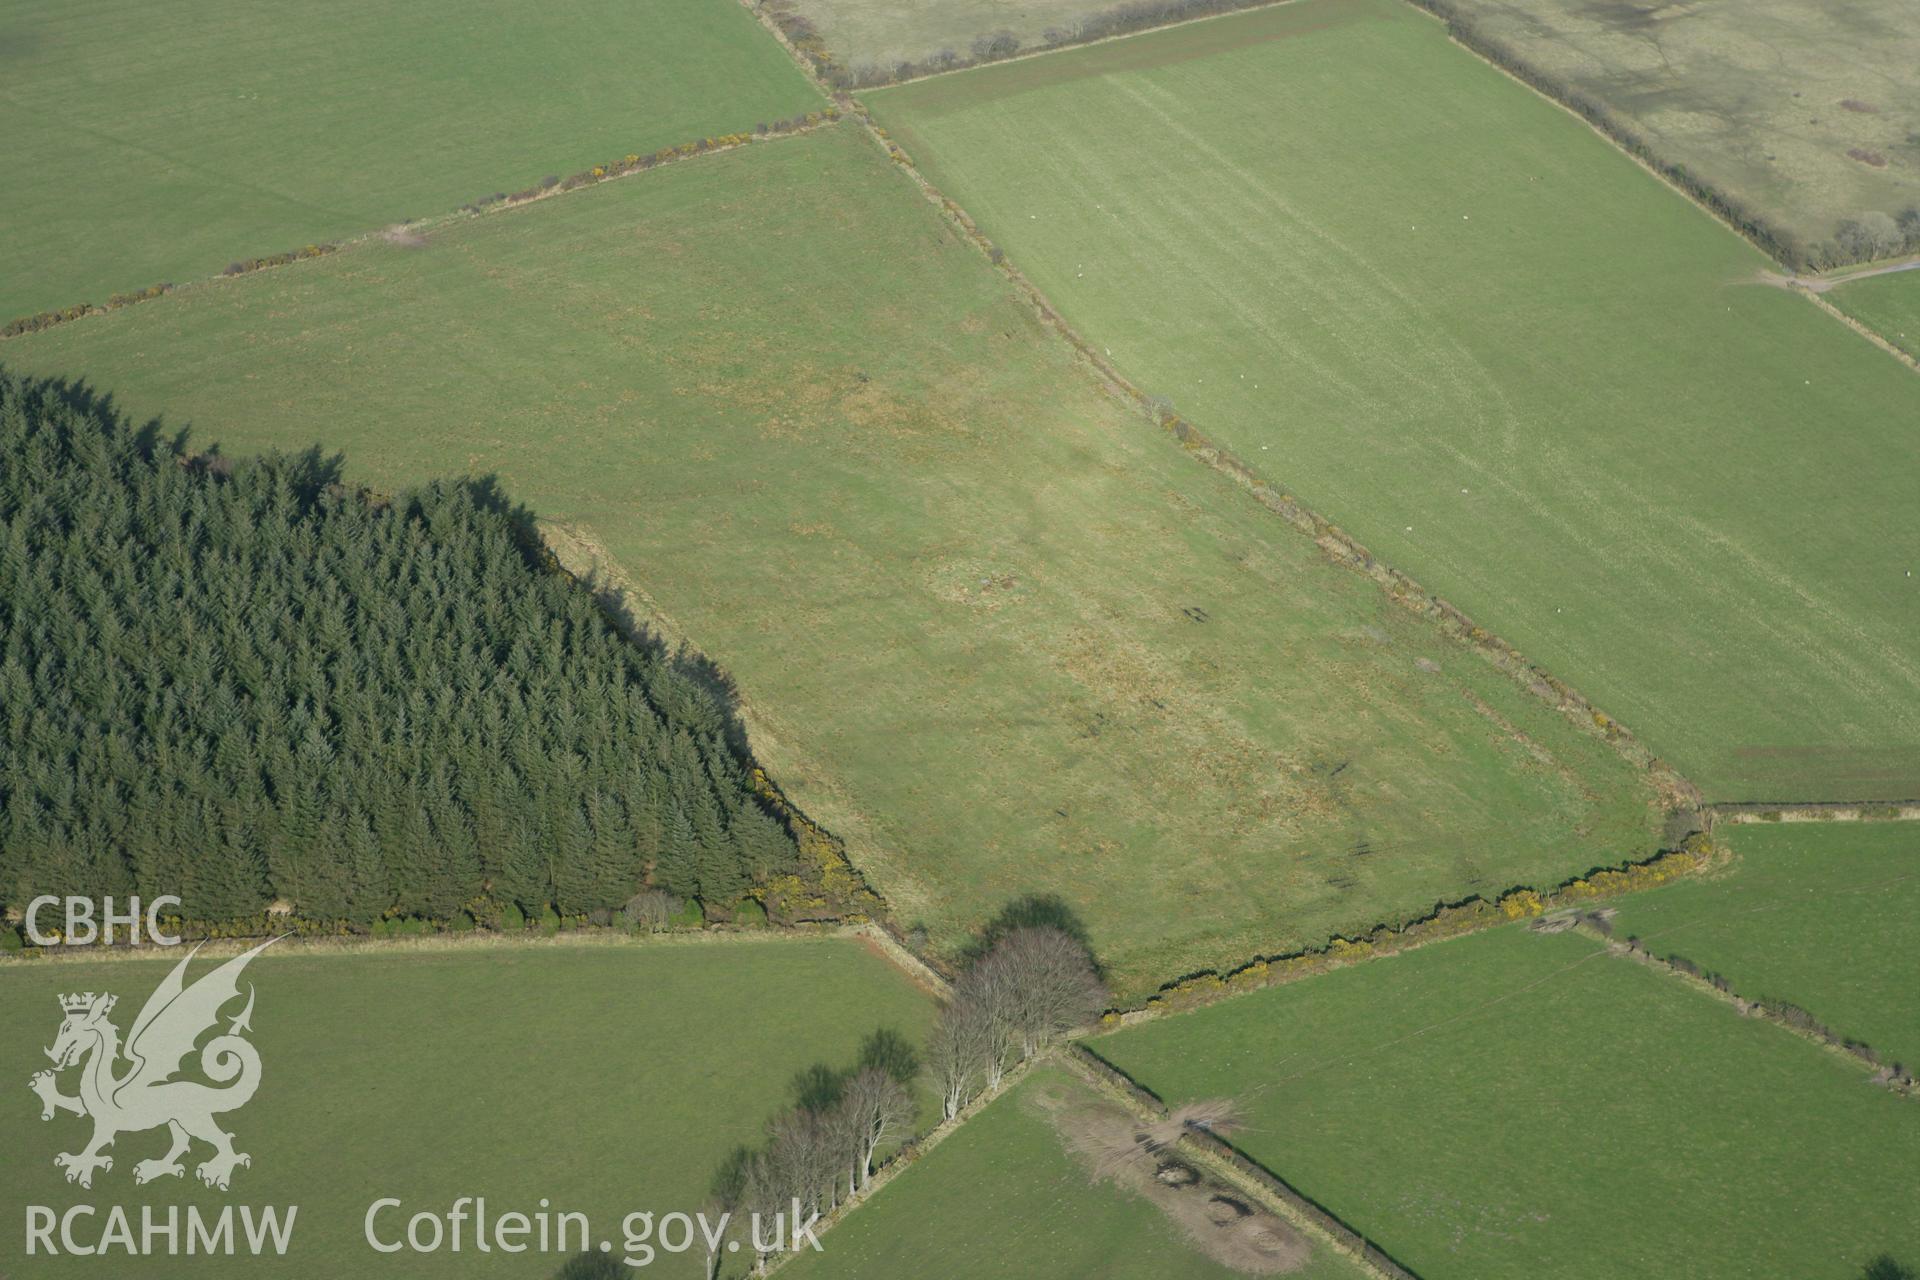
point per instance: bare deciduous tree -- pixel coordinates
(650, 910)
(1046, 984)
(1035, 984)
(957, 1052)
(874, 1105)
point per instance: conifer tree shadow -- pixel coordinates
(312, 472)
(489, 495)
(719, 685)
(695, 667)
(93, 406)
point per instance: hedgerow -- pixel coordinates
(241, 266)
(1447, 921)
(633, 162)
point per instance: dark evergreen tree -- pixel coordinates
(677, 868)
(239, 682)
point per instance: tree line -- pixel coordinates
(1031, 982)
(239, 682)
(824, 1149)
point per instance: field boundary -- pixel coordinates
(1449, 920)
(328, 944)
(626, 167)
(1228, 1162)
(1746, 812)
(1891, 1075)
(896, 953)
(1818, 299)
(878, 940)
(1825, 282)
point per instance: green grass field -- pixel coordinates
(145, 143)
(1464, 327)
(1003, 1200)
(1889, 305)
(1803, 123)
(1521, 1105)
(606, 1079)
(989, 626)
(1819, 915)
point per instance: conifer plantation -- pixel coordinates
(237, 681)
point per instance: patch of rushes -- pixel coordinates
(1779, 152)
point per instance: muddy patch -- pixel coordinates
(1111, 1145)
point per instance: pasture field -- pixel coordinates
(1513, 1104)
(607, 1079)
(145, 143)
(987, 625)
(1002, 1199)
(1816, 914)
(1803, 123)
(1521, 370)
(1887, 304)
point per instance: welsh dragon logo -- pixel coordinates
(145, 1095)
